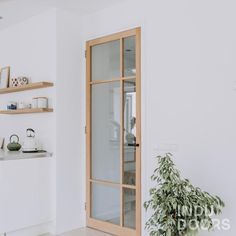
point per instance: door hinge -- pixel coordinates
(85, 129)
(85, 53)
(85, 206)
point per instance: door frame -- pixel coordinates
(91, 222)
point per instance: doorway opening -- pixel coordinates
(113, 141)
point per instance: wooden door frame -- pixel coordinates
(91, 222)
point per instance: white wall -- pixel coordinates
(188, 80)
(70, 125)
(29, 47)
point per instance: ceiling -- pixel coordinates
(14, 11)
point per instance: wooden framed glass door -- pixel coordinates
(113, 141)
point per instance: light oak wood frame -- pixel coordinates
(119, 230)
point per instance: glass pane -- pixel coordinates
(129, 132)
(106, 203)
(129, 208)
(106, 131)
(129, 56)
(106, 61)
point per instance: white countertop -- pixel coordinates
(8, 156)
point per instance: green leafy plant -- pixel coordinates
(178, 208)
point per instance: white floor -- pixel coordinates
(85, 232)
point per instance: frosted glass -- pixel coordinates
(106, 203)
(106, 131)
(106, 61)
(129, 208)
(129, 57)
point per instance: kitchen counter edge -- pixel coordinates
(10, 156)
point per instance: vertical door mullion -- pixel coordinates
(121, 131)
(121, 57)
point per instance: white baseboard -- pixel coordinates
(45, 229)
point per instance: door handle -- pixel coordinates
(133, 145)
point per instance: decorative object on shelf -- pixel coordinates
(21, 105)
(22, 81)
(14, 82)
(178, 208)
(19, 81)
(12, 106)
(30, 144)
(14, 143)
(35, 103)
(28, 106)
(40, 102)
(1, 143)
(4, 77)
(24, 105)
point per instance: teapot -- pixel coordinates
(30, 143)
(14, 145)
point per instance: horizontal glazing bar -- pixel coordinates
(112, 184)
(112, 80)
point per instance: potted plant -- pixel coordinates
(178, 208)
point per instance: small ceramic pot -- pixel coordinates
(21, 105)
(12, 106)
(42, 102)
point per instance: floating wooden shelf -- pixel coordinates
(26, 111)
(26, 87)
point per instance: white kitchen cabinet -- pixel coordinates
(26, 193)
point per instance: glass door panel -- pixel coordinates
(129, 97)
(106, 61)
(129, 207)
(106, 203)
(129, 57)
(106, 132)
